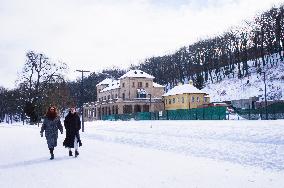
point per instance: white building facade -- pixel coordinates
(133, 92)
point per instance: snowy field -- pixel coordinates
(149, 154)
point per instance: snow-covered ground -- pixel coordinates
(149, 154)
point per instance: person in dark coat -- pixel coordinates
(72, 126)
(51, 124)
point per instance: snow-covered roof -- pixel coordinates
(113, 85)
(157, 85)
(106, 81)
(181, 89)
(137, 74)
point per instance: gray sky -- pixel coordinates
(98, 34)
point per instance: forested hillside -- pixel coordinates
(228, 66)
(252, 85)
(214, 59)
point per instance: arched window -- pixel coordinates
(137, 108)
(147, 85)
(116, 110)
(145, 108)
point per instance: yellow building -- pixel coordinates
(185, 97)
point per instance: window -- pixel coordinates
(205, 99)
(147, 85)
(108, 97)
(116, 95)
(182, 100)
(139, 84)
(116, 109)
(123, 96)
(170, 102)
(197, 99)
(123, 84)
(141, 93)
(174, 100)
(105, 98)
(166, 101)
(133, 84)
(192, 99)
(127, 109)
(137, 108)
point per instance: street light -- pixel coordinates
(266, 114)
(82, 97)
(150, 105)
(150, 101)
(101, 113)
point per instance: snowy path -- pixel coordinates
(132, 154)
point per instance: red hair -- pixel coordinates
(51, 114)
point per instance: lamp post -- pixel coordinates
(150, 101)
(266, 114)
(82, 97)
(150, 105)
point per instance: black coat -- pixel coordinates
(72, 125)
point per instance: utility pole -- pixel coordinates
(266, 114)
(82, 97)
(150, 105)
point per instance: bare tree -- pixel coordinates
(37, 72)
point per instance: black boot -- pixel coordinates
(51, 153)
(80, 143)
(70, 153)
(76, 153)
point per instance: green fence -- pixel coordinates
(210, 113)
(273, 111)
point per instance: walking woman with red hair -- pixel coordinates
(51, 124)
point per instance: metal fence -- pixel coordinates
(210, 113)
(273, 111)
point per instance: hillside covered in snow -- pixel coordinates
(234, 88)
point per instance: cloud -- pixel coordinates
(94, 35)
